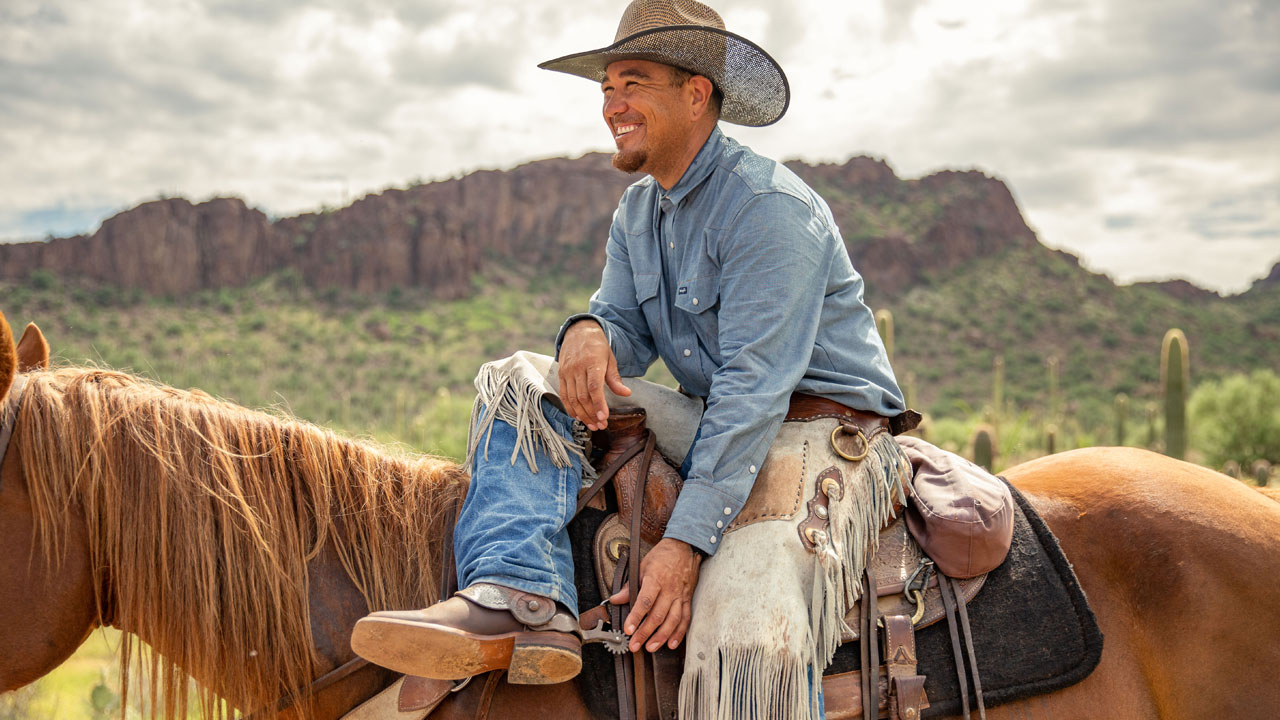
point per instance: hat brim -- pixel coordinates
(752, 83)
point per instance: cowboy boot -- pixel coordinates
(481, 628)
(626, 430)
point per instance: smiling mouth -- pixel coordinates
(627, 129)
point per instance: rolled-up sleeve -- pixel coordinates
(616, 308)
(774, 261)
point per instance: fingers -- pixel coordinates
(677, 635)
(614, 380)
(569, 396)
(675, 620)
(646, 615)
(585, 361)
(622, 597)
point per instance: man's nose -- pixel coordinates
(614, 105)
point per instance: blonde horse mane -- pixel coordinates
(202, 517)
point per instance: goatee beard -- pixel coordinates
(630, 161)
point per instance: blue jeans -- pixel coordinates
(512, 528)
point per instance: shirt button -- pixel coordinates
(695, 301)
(671, 245)
(719, 523)
(752, 468)
(687, 352)
(728, 511)
(713, 539)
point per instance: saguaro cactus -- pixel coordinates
(1152, 413)
(884, 324)
(1122, 416)
(1175, 379)
(909, 388)
(984, 446)
(1050, 438)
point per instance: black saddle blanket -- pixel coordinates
(1033, 630)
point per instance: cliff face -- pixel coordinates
(550, 216)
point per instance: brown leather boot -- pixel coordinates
(483, 627)
(626, 430)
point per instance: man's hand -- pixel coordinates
(587, 364)
(668, 575)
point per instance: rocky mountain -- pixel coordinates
(549, 216)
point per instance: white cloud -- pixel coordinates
(1142, 135)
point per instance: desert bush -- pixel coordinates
(1238, 418)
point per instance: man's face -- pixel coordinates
(647, 114)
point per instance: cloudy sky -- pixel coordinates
(1142, 135)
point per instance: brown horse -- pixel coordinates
(242, 547)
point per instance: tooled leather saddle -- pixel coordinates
(909, 595)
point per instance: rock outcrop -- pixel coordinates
(550, 216)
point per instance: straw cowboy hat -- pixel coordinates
(691, 36)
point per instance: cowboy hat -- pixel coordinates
(691, 36)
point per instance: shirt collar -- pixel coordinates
(700, 168)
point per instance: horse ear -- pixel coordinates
(33, 350)
(8, 357)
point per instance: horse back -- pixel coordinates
(1180, 565)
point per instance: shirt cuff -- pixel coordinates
(701, 515)
(575, 318)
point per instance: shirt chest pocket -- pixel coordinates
(698, 304)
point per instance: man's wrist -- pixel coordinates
(577, 325)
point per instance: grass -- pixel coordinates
(68, 692)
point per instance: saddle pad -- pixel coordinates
(1033, 630)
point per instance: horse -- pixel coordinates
(239, 547)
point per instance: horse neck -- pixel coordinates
(225, 538)
(46, 601)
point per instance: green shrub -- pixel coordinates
(1238, 418)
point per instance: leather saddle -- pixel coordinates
(910, 594)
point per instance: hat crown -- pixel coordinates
(643, 15)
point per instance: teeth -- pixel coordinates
(624, 129)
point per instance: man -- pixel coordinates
(728, 267)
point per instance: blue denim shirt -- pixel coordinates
(737, 277)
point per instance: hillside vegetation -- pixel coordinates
(398, 366)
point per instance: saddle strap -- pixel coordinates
(906, 685)
(968, 643)
(869, 647)
(622, 661)
(668, 665)
(486, 696)
(607, 474)
(633, 574)
(957, 622)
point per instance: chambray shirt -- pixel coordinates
(738, 279)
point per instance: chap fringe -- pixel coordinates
(504, 393)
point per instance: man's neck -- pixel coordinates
(668, 177)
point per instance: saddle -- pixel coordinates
(908, 590)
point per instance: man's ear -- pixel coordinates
(700, 98)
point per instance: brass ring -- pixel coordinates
(866, 446)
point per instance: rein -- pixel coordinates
(334, 676)
(13, 400)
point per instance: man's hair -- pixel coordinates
(680, 76)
